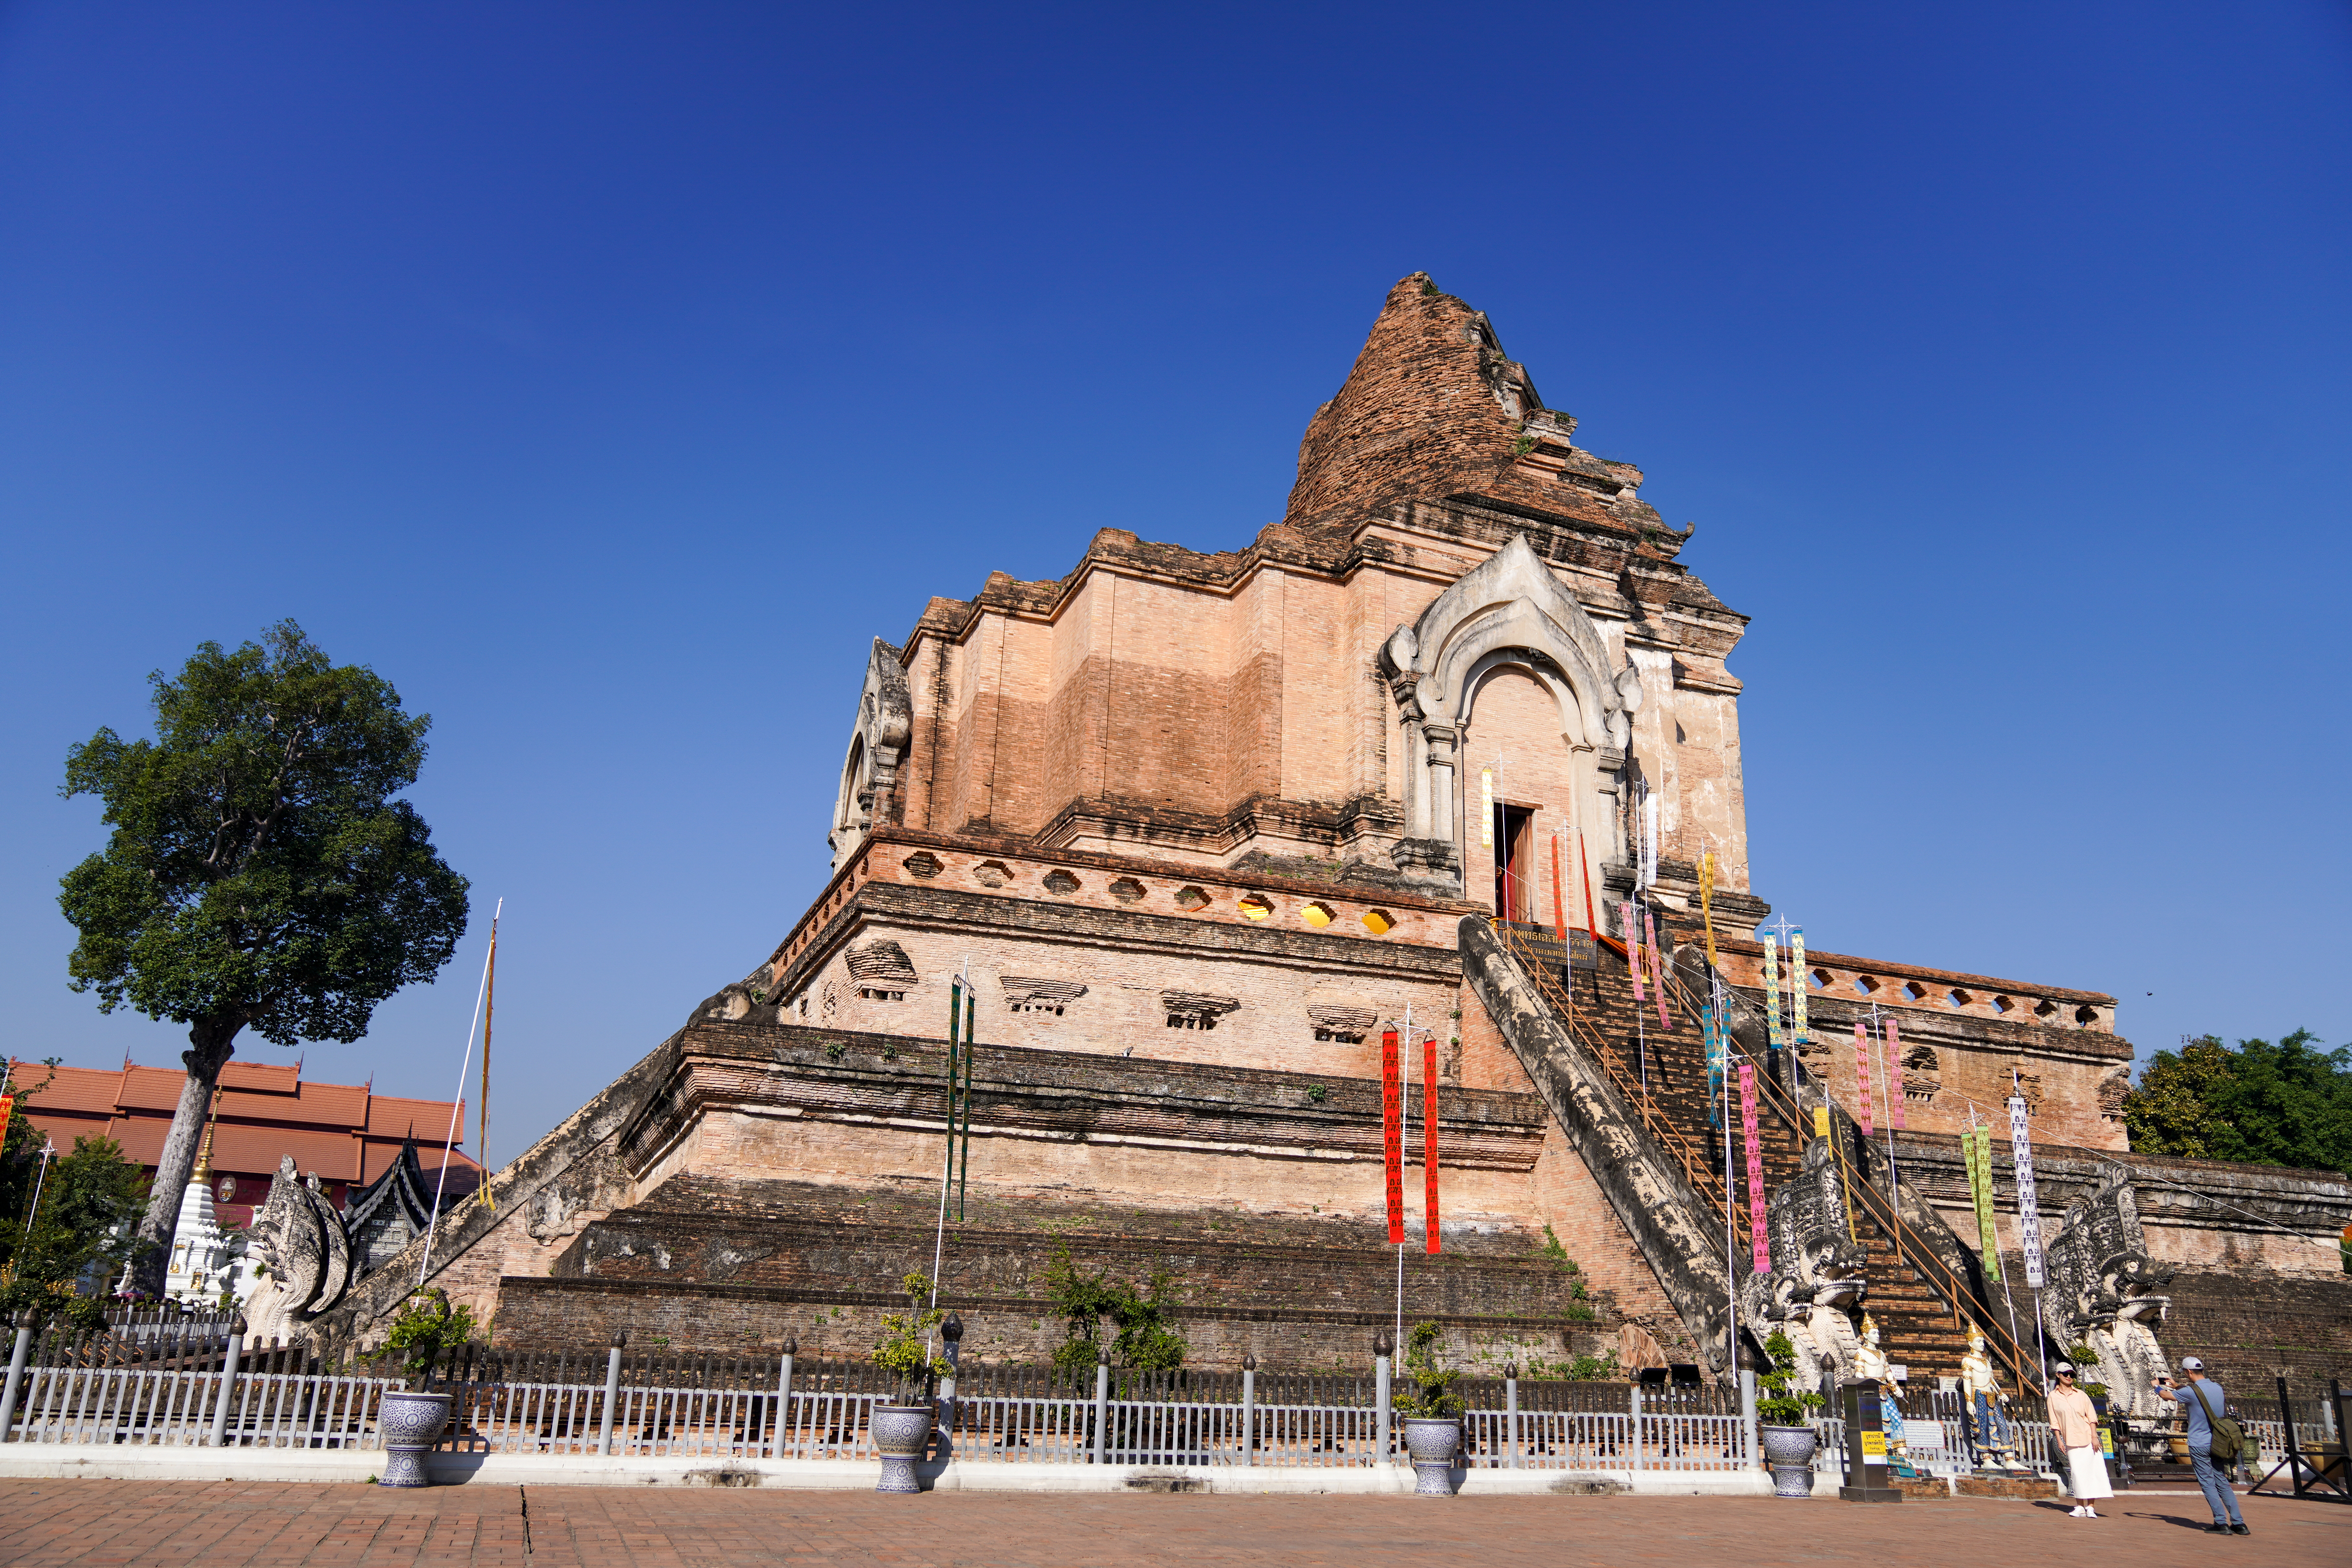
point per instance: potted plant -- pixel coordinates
(1431, 1412)
(1789, 1441)
(902, 1428)
(413, 1419)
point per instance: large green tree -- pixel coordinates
(80, 1231)
(260, 874)
(2283, 1104)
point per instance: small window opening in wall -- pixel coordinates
(1317, 915)
(1379, 922)
(923, 863)
(992, 873)
(1819, 979)
(1061, 882)
(1053, 1009)
(1127, 890)
(1191, 1020)
(875, 994)
(1959, 998)
(2044, 1008)
(1341, 1037)
(1256, 907)
(1916, 992)
(2003, 1004)
(1864, 984)
(2086, 1014)
(1192, 899)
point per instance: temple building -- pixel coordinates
(1450, 751)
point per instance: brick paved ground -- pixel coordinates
(92, 1522)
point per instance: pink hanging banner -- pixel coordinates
(1650, 934)
(1893, 1077)
(1755, 1167)
(1862, 1077)
(1633, 945)
(1429, 1142)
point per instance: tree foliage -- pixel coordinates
(2283, 1104)
(1427, 1389)
(1138, 1320)
(905, 1348)
(260, 874)
(60, 1258)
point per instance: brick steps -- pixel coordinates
(1916, 1327)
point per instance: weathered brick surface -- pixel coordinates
(2252, 1331)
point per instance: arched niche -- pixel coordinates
(1507, 612)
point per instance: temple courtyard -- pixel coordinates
(62, 1522)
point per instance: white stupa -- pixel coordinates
(204, 1260)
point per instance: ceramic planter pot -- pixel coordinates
(1789, 1450)
(901, 1432)
(411, 1423)
(1432, 1443)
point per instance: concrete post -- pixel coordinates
(25, 1321)
(1511, 1406)
(783, 1394)
(1747, 1412)
(1102, 1401)
(1635, 1425)
(1382, 1344)
(1249, 1410)
(219, 1432)
(612, 1391)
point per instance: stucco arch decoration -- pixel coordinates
(1507, 611)
(869, 773)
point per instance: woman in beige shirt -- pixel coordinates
(2074, 1426)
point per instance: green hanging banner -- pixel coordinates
(1977, 1144)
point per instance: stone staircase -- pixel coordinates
(1660, 1075)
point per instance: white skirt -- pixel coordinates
(2086, 1471)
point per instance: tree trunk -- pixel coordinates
(211, 1041)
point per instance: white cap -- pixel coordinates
(2190, 1363)
(2065, 1366)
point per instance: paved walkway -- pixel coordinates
(286, 1524)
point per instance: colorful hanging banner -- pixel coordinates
(7, 1108)
(1487, 808)
(1706, 903)
(1772, 988)
(1755, 1167)
(1862, 1077)
(1633, 945)
(1710, 1029)
(1798, 986)
(1893, 1077)
(1429, 1142)
(2029, 1214)
(1559, 912)
(1650, 933)
(1977, 1143)
(1392, 1133)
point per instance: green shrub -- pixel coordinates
(1783, 1404)
(1428, 1386)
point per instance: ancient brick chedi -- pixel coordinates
(1193, 827)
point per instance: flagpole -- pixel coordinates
(432, 1224)
(482, 1111)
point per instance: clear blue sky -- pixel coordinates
(606, 376)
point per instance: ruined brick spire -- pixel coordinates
(1432, 408)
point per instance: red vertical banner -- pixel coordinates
(1429, 1142)
(1633, 945)
(1755, 1167)
(1657, 970)
(1392, 1133)
(1893, 1077)
(1559, 914)
(1862, 1077)
(1584, 879)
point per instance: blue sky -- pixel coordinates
(605, 376)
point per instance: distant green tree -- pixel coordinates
(2283, 1104)
(261, 873)
(80, 1234)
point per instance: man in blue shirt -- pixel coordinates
(2201, 1402)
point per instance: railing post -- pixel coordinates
(219, 1432)
(25, 1321)
(612, 1389)
(1381, 1348)
(1249, 1410)
(785, 1393)
(1511, 1408)
(1747, 1412)
(1102, 1400)
(1636, 1426)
